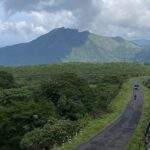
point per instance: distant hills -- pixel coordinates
(142, 42)
(144, 54)
(70, 45)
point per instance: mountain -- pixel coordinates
(69, 45)
(49, 48)
(142, 42)
(144, 55)
(103, 49)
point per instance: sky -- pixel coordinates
(24, 20)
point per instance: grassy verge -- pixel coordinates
(95, 126)
(138, 138)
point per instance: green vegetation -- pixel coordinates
(139, 136)
(47, 104)
(95, 126)
(6, 80)
(54, 132)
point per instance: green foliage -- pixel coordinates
(97, 125)
(54, 132)
(70, 109)
(147, 83)
(74, 97)
(6, 80)
(7, 96)
(21, 117)
(68, 92)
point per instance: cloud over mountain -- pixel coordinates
(127, 18)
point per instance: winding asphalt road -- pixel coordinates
(117, 135)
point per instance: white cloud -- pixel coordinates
(39, 30)
(53, 20)
(16, 32)
(21, 27)
(123, 17)
(127, 18)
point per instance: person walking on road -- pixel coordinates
(135, 96)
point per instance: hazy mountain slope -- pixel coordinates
(143, 55)
(49, 48)
(142, 42)
(103, 49)
(69, 45)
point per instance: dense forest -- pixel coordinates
(44, 105)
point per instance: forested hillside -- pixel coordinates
(42, 106)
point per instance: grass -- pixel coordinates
(138, 138)
(95, 126)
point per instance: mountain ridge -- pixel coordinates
(69, 45)
(141, 42)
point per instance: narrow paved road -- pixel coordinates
(117, 135)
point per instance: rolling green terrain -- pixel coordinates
(45, 105)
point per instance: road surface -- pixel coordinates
(117, 135)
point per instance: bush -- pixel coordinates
(8, 96)
(54, 132)
(6, 80)
(70, 109)
(22, 117)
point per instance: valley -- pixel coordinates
(74, 75)
(43, 106)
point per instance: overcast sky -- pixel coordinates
(24, 20)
